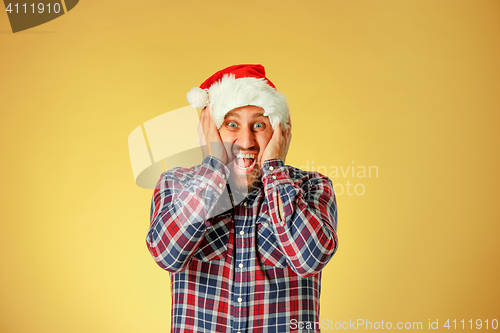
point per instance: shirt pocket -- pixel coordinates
(269, 251)
(214, 243)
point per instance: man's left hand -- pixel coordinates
(277, 147)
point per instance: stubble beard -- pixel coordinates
(248, 182)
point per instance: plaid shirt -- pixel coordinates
(243, 268)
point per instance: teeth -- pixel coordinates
(239, 155)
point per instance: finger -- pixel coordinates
(206, 128)
(213, 131)
(212, 126)
(201, 135)
(205, 121)
(202, 120)
(216, 140)
(289, 129)
(283, 136)
(277, 130)
(202, 114)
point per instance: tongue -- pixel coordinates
(245, 162)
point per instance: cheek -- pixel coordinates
(225, 135)
(264, 139)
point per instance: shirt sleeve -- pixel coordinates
(182, 204)
(307, 231)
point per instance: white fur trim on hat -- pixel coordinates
(230, 93)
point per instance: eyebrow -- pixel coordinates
(236, 115)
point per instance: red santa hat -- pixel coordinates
(238, 86)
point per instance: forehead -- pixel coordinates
(247, 112)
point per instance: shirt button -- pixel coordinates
(271, 168)
(274, 177)
(220, 185)
(223, 176)
(240, 299)
(242, 232)
(245, 204)
(240, 265)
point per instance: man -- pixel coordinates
(243, 236)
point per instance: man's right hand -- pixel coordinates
(210, 139)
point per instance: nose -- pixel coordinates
(246, 139)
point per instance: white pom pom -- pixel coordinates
(197, 97)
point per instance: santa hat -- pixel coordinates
(238, 86)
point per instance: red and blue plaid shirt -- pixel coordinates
(242, 268)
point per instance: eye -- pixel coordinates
(231, 124)
(258, 125)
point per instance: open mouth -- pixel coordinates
(245, 162)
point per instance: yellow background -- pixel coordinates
(411, 87)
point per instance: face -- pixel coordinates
(248, 132)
